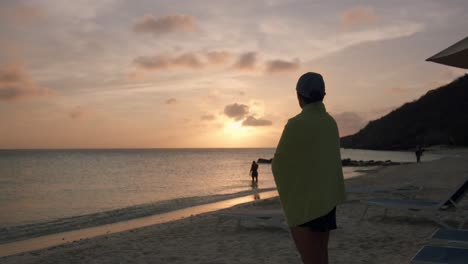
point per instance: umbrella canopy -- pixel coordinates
(455, 55)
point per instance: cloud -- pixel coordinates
(236, 111)
(189, 60)
(153, 63)
(20, 13)
(171, 101)
(218, 57)
(207, 117)
(358, 16)
(136, 75)
(198, 60)
(16, 84)
(246, 61)
(77, 113)
(241, 112)
(349, 123)
(164, 25)
(164, 62)
(252, 121)
(277, 66)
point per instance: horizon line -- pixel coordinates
(155, 148)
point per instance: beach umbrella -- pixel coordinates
(455, 55)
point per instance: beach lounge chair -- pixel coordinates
(450, 237)
(272, 218)
(431, 208)
(441, 255)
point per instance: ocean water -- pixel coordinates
(46, 188)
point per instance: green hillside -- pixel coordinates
(438, 117)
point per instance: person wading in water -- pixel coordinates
(254, 171)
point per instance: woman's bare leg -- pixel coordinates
(312, 245)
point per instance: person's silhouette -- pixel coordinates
(419, 152)
(254, 171)
(307, 169)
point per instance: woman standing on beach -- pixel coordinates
(254, 171)
(307, 171)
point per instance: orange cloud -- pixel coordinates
(136, 75)
(358, 16)
(252, 121)
(218, 57)
(246, 61)
(77, 113)
(189, 60)
(207, 117)
(22, 13)
(164, 25)
(171, 101)
(153, 63)
(163, 62)
(277, 66)
(16, 84)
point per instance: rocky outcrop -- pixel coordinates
(266, 161)
(367, 163)
(350, 162)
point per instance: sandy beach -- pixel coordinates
(204, 239)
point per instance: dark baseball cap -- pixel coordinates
(309, 84)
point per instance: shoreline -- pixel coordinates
(10, 234)
(14, 233)
(57, 239)
(201, 239)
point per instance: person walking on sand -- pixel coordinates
(254, 171)
(308, 173)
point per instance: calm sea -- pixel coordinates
(48, 186)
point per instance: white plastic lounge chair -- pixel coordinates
(450, 237)
(273, 218)
(441, 255)
(431, 208)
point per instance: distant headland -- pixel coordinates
(440, 117)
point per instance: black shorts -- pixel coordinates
(322, 224)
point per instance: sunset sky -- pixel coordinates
(163, 74)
